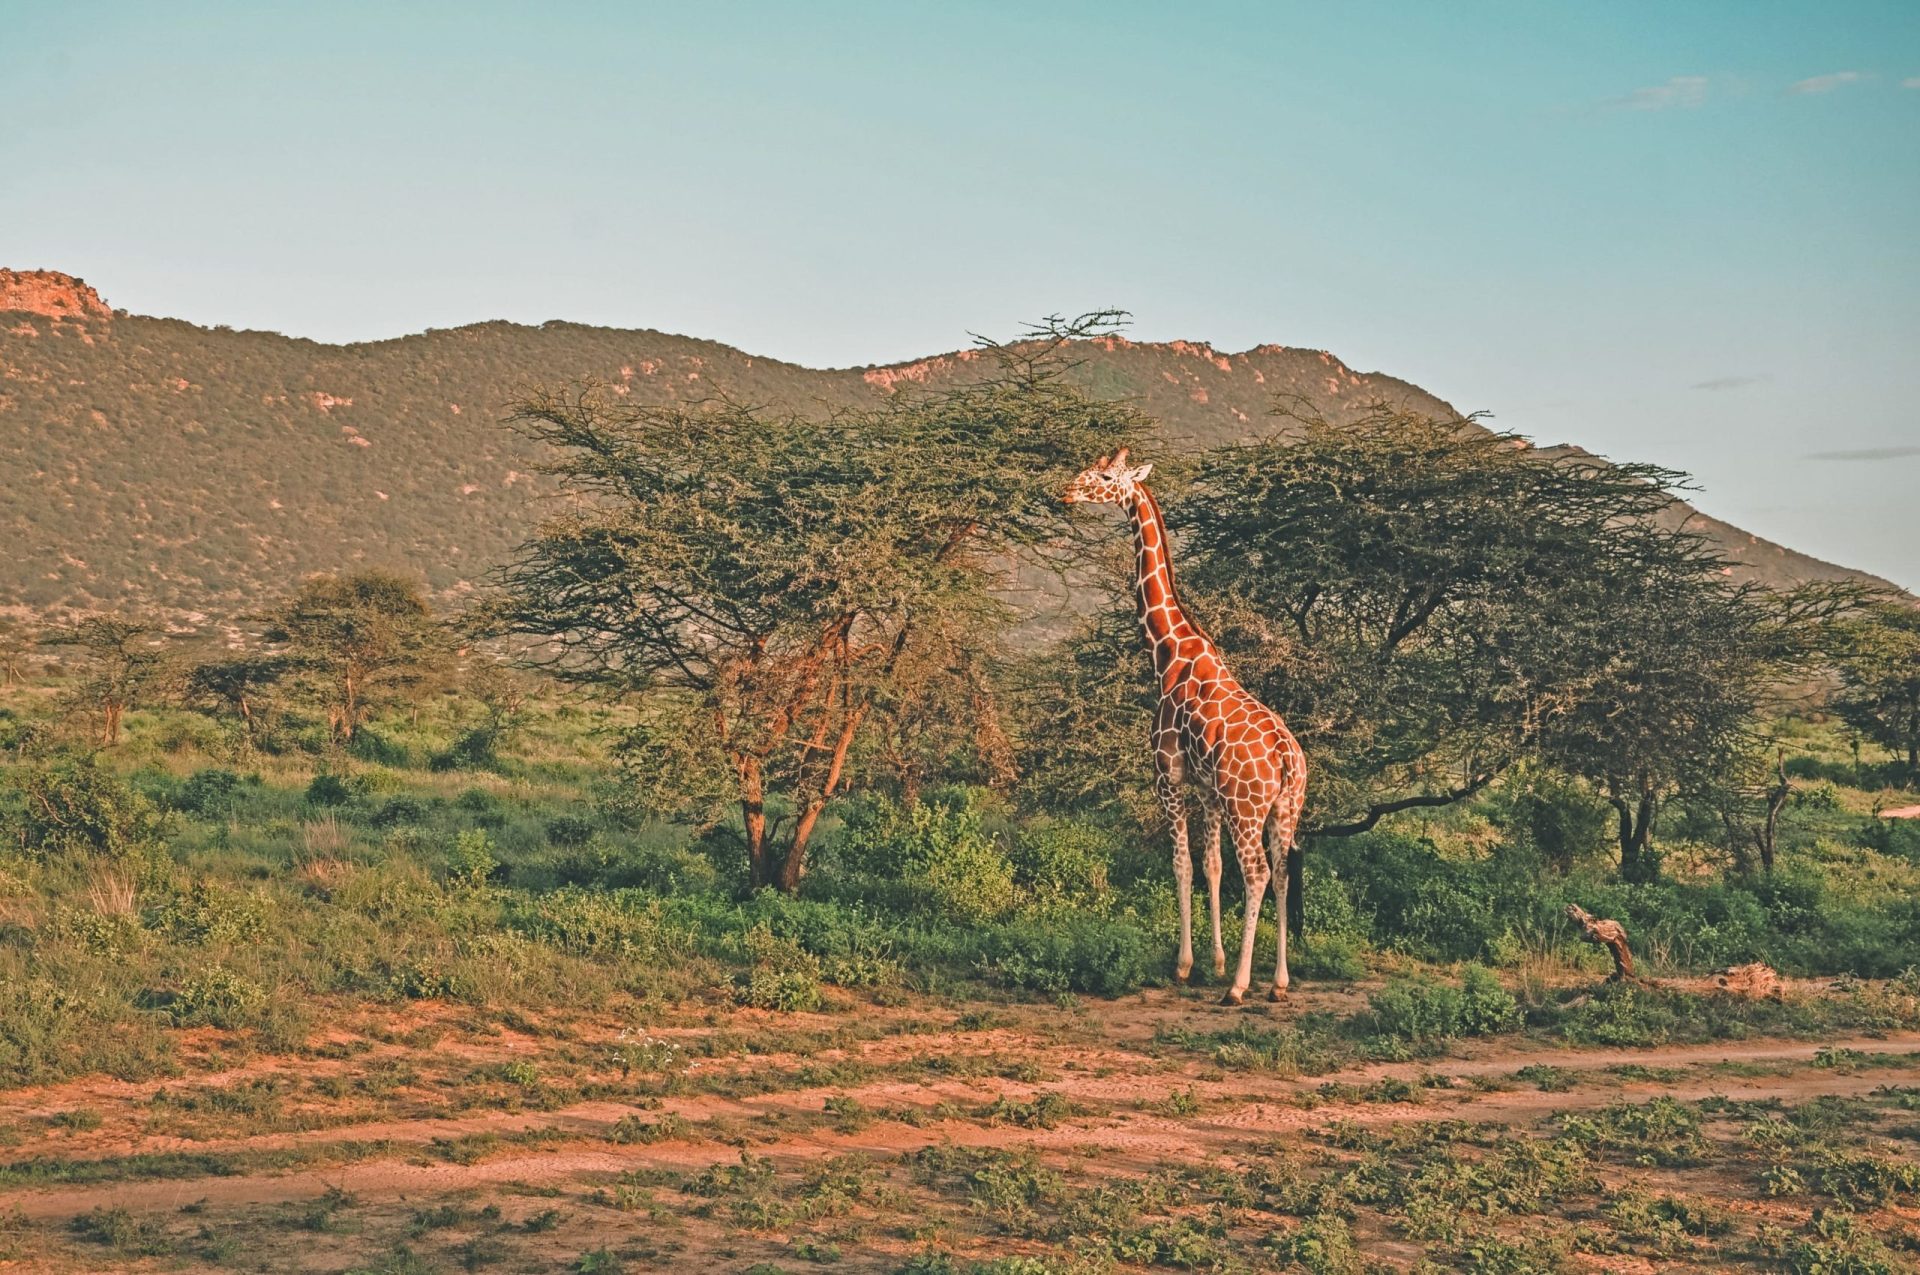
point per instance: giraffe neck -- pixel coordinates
(1162, 619)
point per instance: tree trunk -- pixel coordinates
(1776, 802)
(1296, 890)
(1636, 828)
(794, 865)
(753, 818)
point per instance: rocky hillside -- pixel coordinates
(149, 461)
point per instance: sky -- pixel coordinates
(1687, 234)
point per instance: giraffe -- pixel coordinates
(1211, 732)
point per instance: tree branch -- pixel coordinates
(1376, 813)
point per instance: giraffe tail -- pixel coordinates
(1285, 854)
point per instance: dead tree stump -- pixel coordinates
(1608, 934)
(1756, 981)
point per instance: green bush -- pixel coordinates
(1322, 1245)
(1486, 1007)
(328, 789)
(1074, 952)
(1422, 1011)
(619, 925)
(216, 997)
(1620, 1014)
(402, 809)
(1824, 795)
(1063, 861)
(370, 745)
(569, 830)
(781, 975)
(76, 804)
(208, 793)
(937, 853)
(1332, 942)
(207, 912)
(472, 861)
(1558, 817)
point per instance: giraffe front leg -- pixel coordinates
(1168, 788)
(1212, 865)
(1254, 871)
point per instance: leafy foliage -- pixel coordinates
(1879, 666)
(788, 579)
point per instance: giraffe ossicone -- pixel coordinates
(1210, 734)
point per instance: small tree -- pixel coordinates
(364, 640)
(1879, 665)
(121, 660)
(15, 642)
(766, 584)
(237, 683)
(501, 691)
(1673, 705)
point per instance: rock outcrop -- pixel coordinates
(48, 292)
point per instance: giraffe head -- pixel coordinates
(1107, 482)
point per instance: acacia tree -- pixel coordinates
(15, 642)
(1672, 709)
(940, 717)
(1421, 597)
(1429, 603)
(1879, 665)
(236, 682)
(363, 640)
(765, 584)
(121, 659)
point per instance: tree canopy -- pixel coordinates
(1879, 665)
(361, 640)
(776, 580)
(1429, 603)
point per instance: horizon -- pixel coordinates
(1679, 238)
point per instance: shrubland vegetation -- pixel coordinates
(741, 730)
(806, 755)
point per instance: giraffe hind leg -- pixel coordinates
(1211, 822)
(1252, 854)
(1280, 843)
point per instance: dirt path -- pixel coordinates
(1231, 1115)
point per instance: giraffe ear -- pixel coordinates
(1135, 475)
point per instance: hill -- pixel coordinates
(147, 461)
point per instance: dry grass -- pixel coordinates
(322, 838)
(324, 876)
(110, 892)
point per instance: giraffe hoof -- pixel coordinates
(1233, 997)
(1276, 993)
(1181, 976)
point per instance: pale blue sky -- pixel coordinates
(1679, 233)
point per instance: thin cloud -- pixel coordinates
(1681, 91)
(1867, 453)
(1827, 83)
(1728, 382)
(1911, 82)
